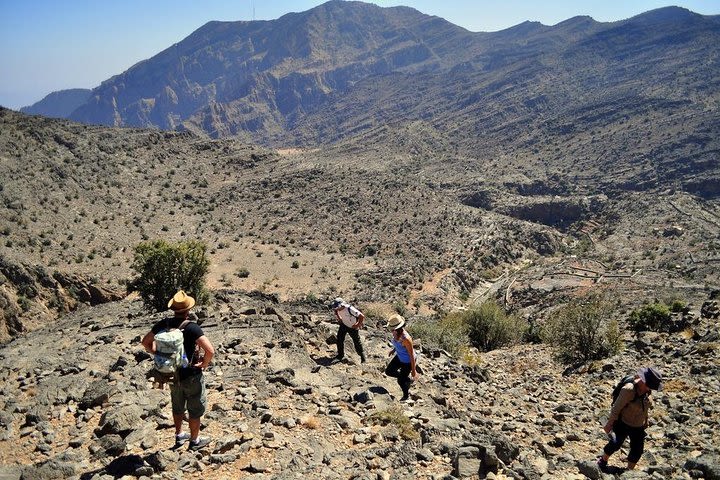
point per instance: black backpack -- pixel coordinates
(620, 385)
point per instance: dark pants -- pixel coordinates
(637, 441)
(355, 335)
(400, 371)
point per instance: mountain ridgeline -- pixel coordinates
(344, 68)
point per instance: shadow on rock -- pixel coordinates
(133, 465)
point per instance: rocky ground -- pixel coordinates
(413, 222)
(76, 403)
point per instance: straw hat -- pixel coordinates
(181, 302)
(395, 322)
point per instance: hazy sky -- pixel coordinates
(49, 45)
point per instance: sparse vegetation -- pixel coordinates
(485, 327)
(583, 330)
(395, 416)
(489, 327)
(163, 268)
(655, 317)
(448, 333)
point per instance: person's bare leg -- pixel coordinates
(178, 420)
(194, 428)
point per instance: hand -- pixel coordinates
(358, 326)
(390, 354)
(414, 376)
(199, 365)
(608, 428)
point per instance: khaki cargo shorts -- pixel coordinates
(190, 394)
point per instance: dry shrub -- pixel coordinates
(311, 422)
(582, 331)
(395, 416)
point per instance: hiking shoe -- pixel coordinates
(405, 397)
(336, 360)
(602, 464)
(363, 359)
(181, 438)
(199, 443)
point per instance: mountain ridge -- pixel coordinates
(259, 79)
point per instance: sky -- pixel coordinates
(50, 45)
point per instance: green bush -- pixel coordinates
(582, 331)
(489, 327)
(449, 333)
(164, 268)
(486, 328)
(655, 317)
(677, 306)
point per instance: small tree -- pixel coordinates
(582, 330)
(164, 268)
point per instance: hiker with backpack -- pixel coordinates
(182, 352)
(351, 321)
(629, 415)
(403, 366)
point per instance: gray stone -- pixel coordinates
(467, 462)
(258, 466)
(110, 445)
(10, 472)
(590, 469)
(120, 421)
(163, 459)
(425, 454)
(222, 458)
(50, 470)
(708, 464)
(363, 397)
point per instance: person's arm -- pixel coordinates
(360, 321)
(148, 342)
(204, 343)
(407, 342)
(626, 395)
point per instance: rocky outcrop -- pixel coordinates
(31, 295)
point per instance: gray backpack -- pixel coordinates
(170, 351)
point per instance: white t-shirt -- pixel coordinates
(349, 315)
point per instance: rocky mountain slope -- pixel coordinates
(76, 403)
(59, 104)
(530, 167)
(343, 68)
(395, 219)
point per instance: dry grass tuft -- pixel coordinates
(311, 422)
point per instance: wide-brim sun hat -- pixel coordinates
(181, 302)
(652, 378)
(395, 321)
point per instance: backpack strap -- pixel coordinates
(184, 324)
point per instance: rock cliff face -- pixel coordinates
(32, 295)
(230, 77)
(348, 67)
(76, 403)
